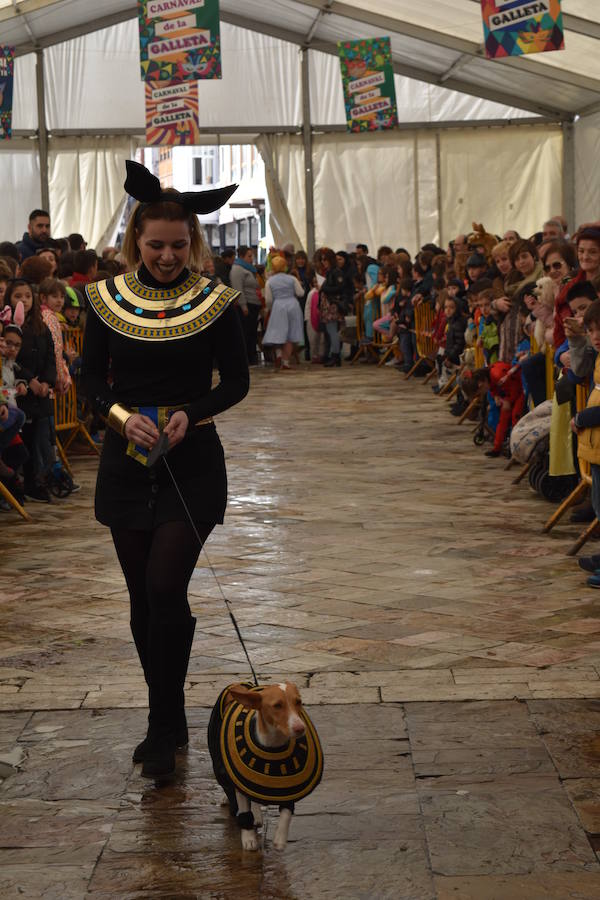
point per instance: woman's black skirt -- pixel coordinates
(133, 496)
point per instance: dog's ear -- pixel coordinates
(249, 699)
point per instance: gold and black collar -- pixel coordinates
(147, 314)
(276, 775)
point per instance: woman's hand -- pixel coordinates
(502, 304)
(142, 431)
(177, 428)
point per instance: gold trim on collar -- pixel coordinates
(129, 307)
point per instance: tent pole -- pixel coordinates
(568, 174)
(308, 156)
(42, 127)
(438, 170)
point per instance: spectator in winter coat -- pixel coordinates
(455, 333)
(37, 234)
(243, 279)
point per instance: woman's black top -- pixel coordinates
(37, 357)
(164, 373)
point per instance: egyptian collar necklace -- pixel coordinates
(271, 775)
(148, 314)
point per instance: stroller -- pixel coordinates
(530, 443)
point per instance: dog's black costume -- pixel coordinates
(274, 775)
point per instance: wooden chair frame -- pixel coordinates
(4, 491)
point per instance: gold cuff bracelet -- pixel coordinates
(118, 416)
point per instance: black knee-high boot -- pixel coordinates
(169, 647)
(139, 630)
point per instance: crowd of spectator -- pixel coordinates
(491, 309)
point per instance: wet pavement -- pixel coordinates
(449, 654)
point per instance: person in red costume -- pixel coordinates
(506, 387)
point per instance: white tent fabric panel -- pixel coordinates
(94, 81)
(261, 82)
(364, 190)
(22, 168)
(587, 179)
(427, 226)
(24, 94)
(85, 79)
(283, 156)
(418, 101)
(503, 178)
(86, 184)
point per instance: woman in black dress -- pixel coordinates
(151, 339)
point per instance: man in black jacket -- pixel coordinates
(37, 235)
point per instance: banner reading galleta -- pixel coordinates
(6, 91)
(368, 82)
(516, 27)
(172, 114)
(179, 40)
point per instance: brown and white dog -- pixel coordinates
(264, 751)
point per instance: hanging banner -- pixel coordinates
(172, 115)
(368, 82)
(516, 27)
(180, 40)
(7, 55)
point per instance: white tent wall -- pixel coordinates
(86, 184)
(385, 189)
(501, 177)
(587, 178)
(22, 168)
(94, 81)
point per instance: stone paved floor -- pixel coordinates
(448, 651)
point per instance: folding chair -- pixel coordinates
(366, 346)
(426, 348)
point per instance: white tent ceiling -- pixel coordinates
(438, 42)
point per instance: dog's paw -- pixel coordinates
(279, 844)
(249, 839)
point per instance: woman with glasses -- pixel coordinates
(559, 260)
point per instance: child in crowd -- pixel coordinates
(37, 357)
(52, 299)
(455, 333)
(504, 384)
(312, 319)
(438, 334)
(386, 301)
(14, 384)
(402, 316)
(488, 337)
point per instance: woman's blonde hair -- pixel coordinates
(279, 264)
(172, 212)
(501, 249)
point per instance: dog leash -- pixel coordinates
(160, 452)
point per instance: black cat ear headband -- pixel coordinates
(142, 185)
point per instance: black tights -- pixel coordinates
(158, 566)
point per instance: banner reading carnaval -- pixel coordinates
(368, 82)
(516, 27)
(172, 114)
(6, 91)
(180, 40)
